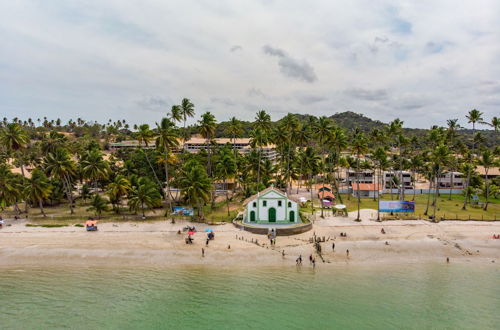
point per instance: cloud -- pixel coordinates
(310, 99)
(154, 103)
(235, 48)
(255, 92)
(291, 67)
(366, 94)
(223, 100)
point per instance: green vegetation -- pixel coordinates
(66, 171)
(47, 225)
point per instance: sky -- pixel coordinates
(421, 61)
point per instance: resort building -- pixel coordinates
(364, 176)
(271, 206)
(493, 172)
(195, 144)
(451, 180)
(392, 179)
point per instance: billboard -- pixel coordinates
(396, 206)
(181, 210)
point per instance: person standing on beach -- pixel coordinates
(314, 262)
(333, 247)
(207, 241)
(347, 253)
(202, 252)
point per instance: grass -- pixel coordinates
(445, 208)
(54, 225)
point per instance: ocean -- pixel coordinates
(400, 296)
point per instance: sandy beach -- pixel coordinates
(158, 243)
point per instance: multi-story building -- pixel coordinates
(451, 180)
(364, 176)
(392, 179)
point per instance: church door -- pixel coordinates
(252, 216)
(292, 216)
(272, 214)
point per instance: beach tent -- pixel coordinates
(326, 195)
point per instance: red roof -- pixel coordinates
(325, 194)
(365, 186)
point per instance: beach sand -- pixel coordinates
(157, 243)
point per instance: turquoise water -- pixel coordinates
(413, 296)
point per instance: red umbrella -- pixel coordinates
(191, 233)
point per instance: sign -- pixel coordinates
(181, 210)
(396, 206)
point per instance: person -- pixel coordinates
(382, 231)
(179, 232)
(386, 243)
(310, 258)
(207, 241)
(283, 253)
(447, 260)
(347, 252)
(314, 262)
(333, 246)
(300, 259)
(229, 247)
(202, 252)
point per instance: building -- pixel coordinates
(196, 144)
(271, 206)
(364, 176)
(493, 172)
(366, 190)
(453, 180)
(392, 179)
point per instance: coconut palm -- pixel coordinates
(258, 139)
(195, 185)
(225, 169)
(495, 123)
(10, 188)
(13, 138)
(207, 125)
(144, 136)
(117, 190)
(486, 160)
(234, 130)
(380, 158)
(176, 113)
(143, 196)
(311, 165)
(98, 205)
(187, 111)
(474, 116)
(440, 158)
(52, 141)
(166, 142)
(94, 167)
(60, 165)
(38, 188)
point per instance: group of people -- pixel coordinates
(210, 236)
(496, 236)
(343, 234)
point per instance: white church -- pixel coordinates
(271, 206)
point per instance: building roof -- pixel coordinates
(493, 171)
(366, 186)
(265, 191)
(200, 140)
(325, 193)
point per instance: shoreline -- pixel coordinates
(158, 244)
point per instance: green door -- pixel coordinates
(272, 214)
(252, 215)
(292, 216)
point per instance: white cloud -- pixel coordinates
(426, 61)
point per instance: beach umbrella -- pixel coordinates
(209, 229)
(191, 233)
(340, 206)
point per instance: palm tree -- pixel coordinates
(117, 189)
(38, 188)
(94, 167)
(166, 141)
(473, 117)
(234, 130)
(14, 138)
(359, 147)
(440, 157)
(495, 123)
(187, 111)
(380, 158)
(144, 135)
(258, 139)
(176, 113)
(60, 165)
(143, 196)
(98, 205)
(226, 169)
(311, 165)
(207, 130)
(10, 188)
(486, 160)
(195, 185)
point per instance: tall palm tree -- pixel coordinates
(440, 157)
(380, 158)
(98, 204)
(207, 125)
(176, 113)
(495, 123)
(234, 130)
(226, 169)
(290, 125)
(166, 142)
(359, 147)
(94, 167)
(117, 189)
(474, 116)
(38, 188)
(143, 196)
(487, 160)
(258, 139)
(195, 185)
(60, 165)
(14, 138)
(311, 165)
(10, 188)
(144, 135)
(187, 111)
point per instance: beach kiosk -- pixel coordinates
(91, 225)
(271, 206)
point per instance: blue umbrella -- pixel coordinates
(209, 229)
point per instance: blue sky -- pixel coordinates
(424, 61)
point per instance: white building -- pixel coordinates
(271, 206)
(392, 179)
(364, 176)
(451, 180)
